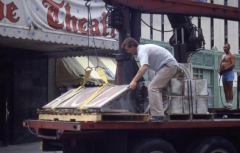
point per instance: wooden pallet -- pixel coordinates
(120, 117)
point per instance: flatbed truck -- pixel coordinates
(219, 135)
(216, 132)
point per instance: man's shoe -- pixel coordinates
(224, 106)
(229, 107)
(156, 119)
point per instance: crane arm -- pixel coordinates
(186, 37)
(183, 7)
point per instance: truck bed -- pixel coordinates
(62, 126)
(220, 119)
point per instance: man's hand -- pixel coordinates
(140, 73)
(133, 85)
(222, 71)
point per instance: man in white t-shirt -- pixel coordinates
(159, 60)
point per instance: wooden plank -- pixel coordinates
(72, 118)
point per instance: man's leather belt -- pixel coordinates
(228, 70)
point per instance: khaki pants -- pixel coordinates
(155, 89)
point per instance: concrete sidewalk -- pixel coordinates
(24, 148)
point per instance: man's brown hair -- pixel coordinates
(228, 45)
(129, 41)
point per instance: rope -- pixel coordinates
(88, 6)
(96, 54)
(30, 129)
(95, 50)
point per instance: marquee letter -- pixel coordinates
(103, 21)
(53, 9)
(1, 12)
(94, 26)
(81, 26)
(69, 18)
(11, 7)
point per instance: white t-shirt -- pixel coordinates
(154, 56)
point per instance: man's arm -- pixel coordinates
(140, 73)
(219, 68)
(233, 62)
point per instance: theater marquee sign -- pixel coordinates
(61, 21)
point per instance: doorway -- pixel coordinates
(6, 102)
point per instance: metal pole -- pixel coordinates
(176, 36)
(123, 33)
(182, 31)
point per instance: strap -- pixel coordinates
(100, 90)
(86, 77)
(93, 96)
(101, 73)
